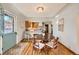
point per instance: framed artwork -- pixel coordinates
(61, 25)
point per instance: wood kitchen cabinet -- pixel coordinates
(29, 24)
(35, 24)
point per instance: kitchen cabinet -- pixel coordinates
(30, 24)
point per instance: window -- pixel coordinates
(8, 24)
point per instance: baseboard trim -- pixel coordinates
(68, 49)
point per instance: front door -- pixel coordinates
(9, 36)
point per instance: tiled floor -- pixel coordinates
(18, 50)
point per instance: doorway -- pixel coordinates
(46, 32)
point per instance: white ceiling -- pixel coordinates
(28, 9)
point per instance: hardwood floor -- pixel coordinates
(61, 50)
(26, 48)
(18, 49)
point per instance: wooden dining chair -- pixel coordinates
(56, 46)
(38, 45)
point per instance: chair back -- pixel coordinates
(56, 43)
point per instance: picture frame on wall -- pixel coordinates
(61, 25)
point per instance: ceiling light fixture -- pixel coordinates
(40, 9)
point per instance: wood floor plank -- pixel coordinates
(29, 50)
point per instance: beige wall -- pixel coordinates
(19, 27)
(70, 36)
(77, 26)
